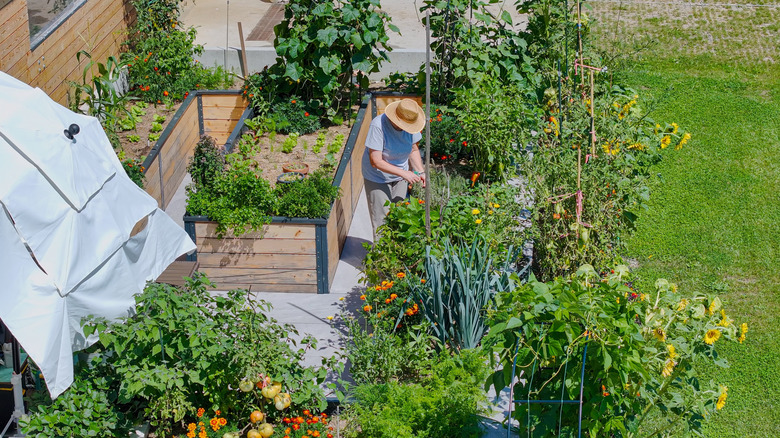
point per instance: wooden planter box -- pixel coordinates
(289, 254)
(205, 112)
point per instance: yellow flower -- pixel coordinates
(478, 221)
(711, 336)
(668, 368)
(725, 320)
(683, 304)
(674, 128)
(672, 352)
(475, 211)
(665, 141)
(496, 206)
(683, 140)
(660, 334)
(490, 211)
(743, 329)
(722, 397)
(330, 318)
(341, 299)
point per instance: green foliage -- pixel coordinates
(156, 127)
(132, 118)
(86, 409)
(189, 348)
(335, 146)
(614, 178)
(319, 143)
(383, 355)
(158, 119)
(444, 404)
(473, 43)
(496, 124)
(207, 163)
(161, 52)
(292, 115)
(290, 142)
(133, 138)
(311, 197)
(459, 290)
(319, 45)
(447, 142)
(133, 169)
(642, 351)
(98, 91)
(238, 199)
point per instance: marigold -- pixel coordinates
(367, 308)
(393, 296)
(388, 300)
(201, 411)
(400, 275)
(711, 336)
(363, 297)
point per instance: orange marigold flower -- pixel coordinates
(388, 300)
(293, 101)
(200, 412)
(400, 275)
(393, 296)
(363, 297)
(306, 114)
(422, 280)
(367, 308)
(165, 93)
(222, 421)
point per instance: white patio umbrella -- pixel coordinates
(77, 236)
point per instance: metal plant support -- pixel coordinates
(527, 401)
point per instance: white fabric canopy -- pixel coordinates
(66, 230)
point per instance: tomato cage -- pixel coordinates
(543, 397)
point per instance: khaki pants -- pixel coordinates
(379, 193)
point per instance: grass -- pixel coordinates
(713, 225)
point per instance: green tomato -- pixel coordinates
(246, 386)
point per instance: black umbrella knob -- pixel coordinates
(72, 130)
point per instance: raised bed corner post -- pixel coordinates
(321, 245)
(560, 402)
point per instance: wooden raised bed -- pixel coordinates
(204, 112)
(289, 254)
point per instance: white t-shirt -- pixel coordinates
(395, 146)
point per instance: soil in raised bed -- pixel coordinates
(139, 149)
(270, 157)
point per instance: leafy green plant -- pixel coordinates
(459, 290)
(445, 404)
(133, 138)
(188, 348)
(290, 142)
(320, 45)
(585, 216)
(98, 91)
(238, 199)
(158, 119)
(447, 143)
(156, 127)
(207, 162)
(645, 352)
(154, 136)
(292, 115)
(83, 410)
(132, 118)
(495, 126)
(133, 169)
(335, 146)
(311, 197)
(160, 55)
(319, 143)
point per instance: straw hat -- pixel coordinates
(407, 115)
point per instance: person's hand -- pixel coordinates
(411, 177)
(422, 177)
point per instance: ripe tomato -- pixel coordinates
(256, 416)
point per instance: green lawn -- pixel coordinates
(714, 219)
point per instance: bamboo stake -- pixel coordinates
(427, 124)
(592, 120)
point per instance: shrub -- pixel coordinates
(134, 170)
(292, 115)
(445, 404)
(311, 197)
(207, 162)
(238, 199)
(189, 348)
(85, 409)
(645, 351)
(447, 142)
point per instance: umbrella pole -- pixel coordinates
(16, 383)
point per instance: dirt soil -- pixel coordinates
(270, 157)
(139, 149)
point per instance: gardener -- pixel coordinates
(391, 147)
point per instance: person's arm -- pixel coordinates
(378, 162)
(416, 163)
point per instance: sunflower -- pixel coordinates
(711, 336)
(668, 368)
(722, 397)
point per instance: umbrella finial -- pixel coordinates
(72, 130)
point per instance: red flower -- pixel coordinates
(306, 114)
(165, 93)
(293, 101)
(452, 140)
(464, 143)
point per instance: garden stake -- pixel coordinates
(227, 33)
(428, 124)
(592, 121)
(244, 68)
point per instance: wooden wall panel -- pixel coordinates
(98, 26)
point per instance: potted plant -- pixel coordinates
(289, 177)
(297, 167)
